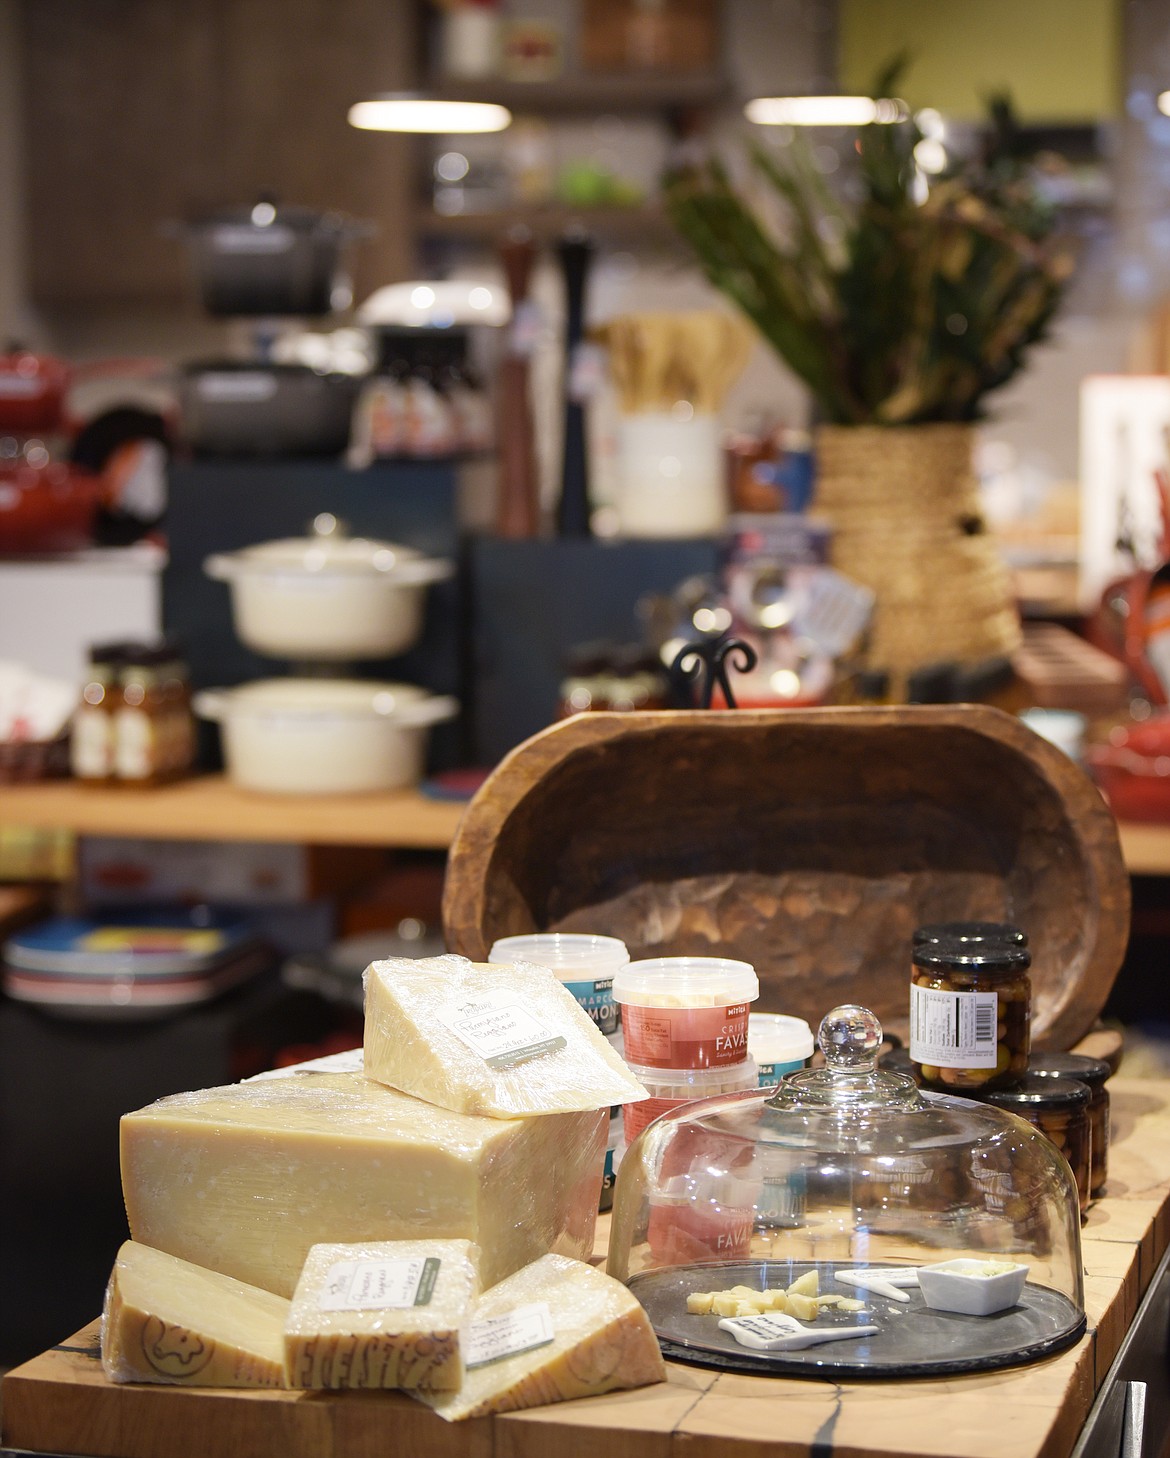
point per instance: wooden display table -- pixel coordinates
(61, 1403)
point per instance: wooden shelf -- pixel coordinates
(642, 223)
(591, 94)
(210, 808)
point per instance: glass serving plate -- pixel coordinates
(849, 1169)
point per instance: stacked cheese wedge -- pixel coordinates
(420, 1221)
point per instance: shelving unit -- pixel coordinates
(627, 93)
(211, 808)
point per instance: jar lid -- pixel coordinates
(775, 1038)
(569, 955)
(697, 1083)
(1093, 1071)
(970, 931)
(1037, 1093)
(995, 957)
(686, 982)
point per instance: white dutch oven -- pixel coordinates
(307, 736)
(327, 596)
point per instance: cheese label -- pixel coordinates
(378, 1285)
(497, 1337)
(501, 1034)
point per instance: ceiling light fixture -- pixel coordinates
(407, 112)
(824, 111)
(1163, 103)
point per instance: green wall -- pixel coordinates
(1059, 59)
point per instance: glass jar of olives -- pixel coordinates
(970, 1014)
(1093, 1073)
(1059, 1108)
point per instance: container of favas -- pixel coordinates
(686, 1012)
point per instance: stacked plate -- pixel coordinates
(144, 963)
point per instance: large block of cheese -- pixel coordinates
(501, 1039)
(389, 1314)
(556, 1330)
(244, 1179)
(165, 1320)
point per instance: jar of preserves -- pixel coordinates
(970, 1014)
(140, 718)
(1059, 1108)
(91, 742)
(1093, 1073)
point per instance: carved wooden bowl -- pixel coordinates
(809, 842)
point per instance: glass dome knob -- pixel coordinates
(850, 1037)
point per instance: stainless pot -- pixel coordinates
(327, 596)
(309, 736)
(269, 260)
(242, 409)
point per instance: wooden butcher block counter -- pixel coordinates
(60, 1402)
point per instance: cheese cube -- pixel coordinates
(165, 1320)
(556, 1330)
(389, 1314)
(502, 1039)
(244, 1179)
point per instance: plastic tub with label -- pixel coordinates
(686, 1012)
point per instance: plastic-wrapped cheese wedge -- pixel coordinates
(165, 1320)
(556, 1330)
(499, 1039)
(389, 1314)
(244, 1179)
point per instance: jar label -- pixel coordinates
(379, 1285)
(953, 1029)
(501, 1035)
(685, 1037)
(92, 744)
(595, 996)
(135, 746)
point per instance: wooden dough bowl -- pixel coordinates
(810, 843)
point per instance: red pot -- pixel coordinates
(49, 508)
(32, 392)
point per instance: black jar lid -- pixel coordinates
(998, 958)
(977, 932)
(1092, 1071)
(1036, 1093)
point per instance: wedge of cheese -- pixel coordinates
(503, 1040)
(556, 1330)
(165, 1320)
(244, 1179)
(387, 1314)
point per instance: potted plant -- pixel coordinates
(901, 308)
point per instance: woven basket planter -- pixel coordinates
(902, 501)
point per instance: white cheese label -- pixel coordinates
(953, 1029)
(497, 1337)
(501, 1034)
(379, 1285)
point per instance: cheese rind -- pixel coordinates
(243, 1179)
(387, 1314)
(165, 1320)
(501, 1039)
(602, 1341)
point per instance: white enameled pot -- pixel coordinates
(307, 736)
(327, 596)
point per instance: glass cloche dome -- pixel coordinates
(847, 1223)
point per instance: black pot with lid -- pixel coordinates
(270, 259)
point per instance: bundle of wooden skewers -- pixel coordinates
(658, 360)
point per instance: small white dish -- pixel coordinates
(974, 1287)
